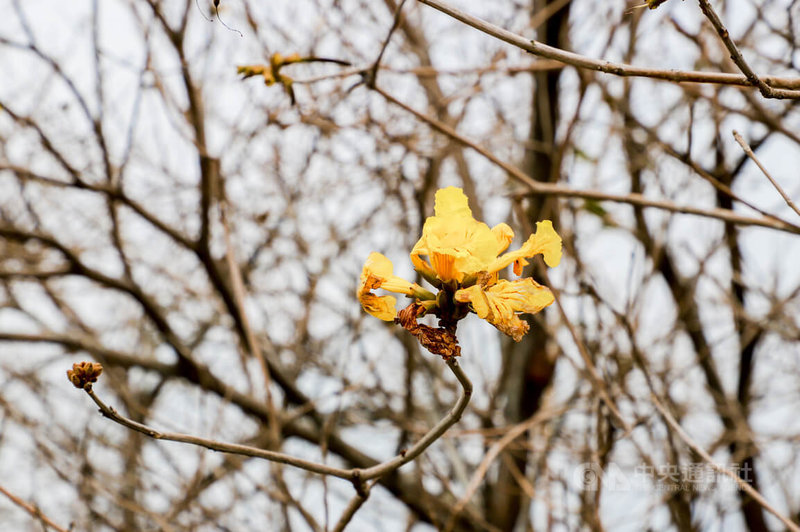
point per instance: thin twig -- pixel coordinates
(738, 59)
(720, 469)
(238, 291)
(35, 512)
(353, 506)
(216, 8)
(749, 152)
(430, 72)
(685, 158)
(553, 189)
(357, 476)
(233, 448)
(597, 381)
(371, 75)
(619, 69)
(490, 456)
(434, 434)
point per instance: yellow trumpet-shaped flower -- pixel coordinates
(463, 258)
(458, 246)
(379, 273)
(500, 303)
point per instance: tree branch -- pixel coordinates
(358, 477)
(720, 469)
(553, 189)
(753, 79)
(618, 69)
(34, 512)
(749, 152)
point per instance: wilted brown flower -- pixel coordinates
(441, 341)
(83, 374)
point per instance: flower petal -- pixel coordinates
(455, 243)
(546, 241)
(420, 264)
(500, 303)
(451, 202)
(378, 264)
(378, 273)
(380, 267)
(504, 235)
(382, 307)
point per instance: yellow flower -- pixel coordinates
(500, 303)
(459, 247)
(455, 243)
(379, 273)
(463, 258)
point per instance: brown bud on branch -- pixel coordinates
(83, 374)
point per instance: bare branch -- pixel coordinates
(34, 512)
(608, 67)
(736, 55)
(552, 189)
(491, 455)
(371, 74)
(720, 469)
(233, 448)
(357, 476)
(452, 417)
(749, 152)
(353, 506)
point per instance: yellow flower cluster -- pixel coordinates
(462, 257)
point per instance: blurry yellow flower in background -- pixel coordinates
(462, 257)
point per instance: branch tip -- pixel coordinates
(83, 374)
